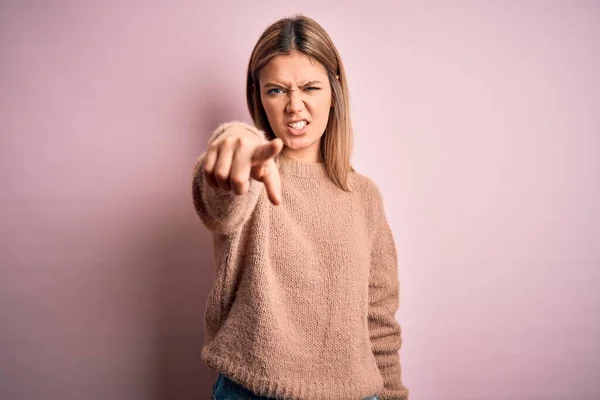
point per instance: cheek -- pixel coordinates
(272, 109)
(320, 108)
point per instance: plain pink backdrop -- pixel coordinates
(480, 121)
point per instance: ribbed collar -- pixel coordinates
(289, 166)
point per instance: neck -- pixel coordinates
(308, 155)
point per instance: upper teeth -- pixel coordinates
(299, 124)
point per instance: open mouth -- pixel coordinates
(298, 127)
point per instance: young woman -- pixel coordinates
(303, 306)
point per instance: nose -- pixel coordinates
(295, 103)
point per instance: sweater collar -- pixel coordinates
(289, 166)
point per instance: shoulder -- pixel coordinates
(366, 187)
(370, 195)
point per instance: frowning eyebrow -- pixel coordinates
(271, 84)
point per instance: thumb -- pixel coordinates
(266, 152)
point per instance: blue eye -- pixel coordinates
(309, 89)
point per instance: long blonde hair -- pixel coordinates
(303, 34)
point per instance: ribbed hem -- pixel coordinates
(289, 166)
(297, 390)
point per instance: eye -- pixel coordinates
(270, 91)
(312, 88)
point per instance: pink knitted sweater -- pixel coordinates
(305, 293)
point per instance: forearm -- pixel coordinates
(386, 342)
(384, 301)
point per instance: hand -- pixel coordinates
(238, 155)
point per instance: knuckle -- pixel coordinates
(238, 181)
(213, 147)
(221, 176)
(243, 142)
(228, 140)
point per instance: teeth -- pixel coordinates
(298, 125)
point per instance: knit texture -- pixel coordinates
(303, 305)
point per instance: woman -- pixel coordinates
(307, 284)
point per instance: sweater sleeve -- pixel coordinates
(219, 210)
(384, 291)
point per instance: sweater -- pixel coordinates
(305, 295)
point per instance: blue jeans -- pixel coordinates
(226, 389)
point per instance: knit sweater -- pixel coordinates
(303, 304)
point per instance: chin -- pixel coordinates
(300, 143)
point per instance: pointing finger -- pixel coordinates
(272, 182)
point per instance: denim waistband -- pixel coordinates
(225, 388)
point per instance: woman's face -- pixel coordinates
(294, 88)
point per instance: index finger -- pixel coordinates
(272, 182)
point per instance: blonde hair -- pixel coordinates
(303, 34)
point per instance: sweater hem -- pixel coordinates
(262, 385)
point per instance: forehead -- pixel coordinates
(292, 68)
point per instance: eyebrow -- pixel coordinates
(269, 84)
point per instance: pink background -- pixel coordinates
(480, 121)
